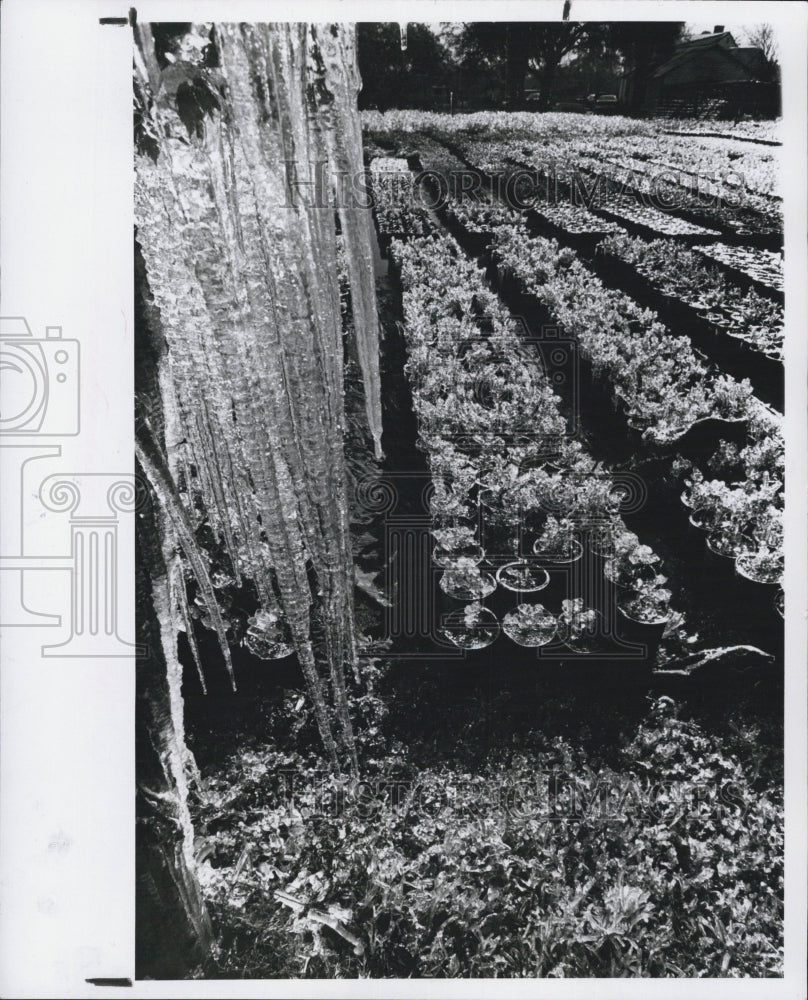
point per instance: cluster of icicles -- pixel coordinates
(245, 432)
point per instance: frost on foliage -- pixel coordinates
(240, 262)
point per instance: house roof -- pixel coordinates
(688, 50)
(751, 57)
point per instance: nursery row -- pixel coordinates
(654, 372)
(711, 206)
(683, 276)
(512, 491)
(664, 389)
(761, 266)
(733, 324)
(575, 201)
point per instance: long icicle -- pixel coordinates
(160, 481)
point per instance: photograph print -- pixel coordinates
(459, 410)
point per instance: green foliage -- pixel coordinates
(544, 862)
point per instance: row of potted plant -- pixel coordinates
(629, 210)
(758, 166)
(663, 387)
(763, 266)
(501, 487)
(741, 507)
(395, 198)
(756, 555)
(574, 219)
(716, 191)
(678, 272)
(577, 629)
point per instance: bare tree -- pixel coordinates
(764, 37)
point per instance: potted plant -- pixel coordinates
(645, 610)
(632, 561)
(530, 625)
(601, 541)
(559, 551)
(465, 582)
(455, 542)
(580, 628)
(557, 543)
(471, 627)
(762, 565)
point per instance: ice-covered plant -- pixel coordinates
(530, 624)
(465, 577)
(556, 538)
(577, 619)
(455, 538)
(648, 600)
(731, 399)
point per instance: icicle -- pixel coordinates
(159, 479)
(249, 309)
(402, 28)
(174, 754)
(179, 598)
(340, 76)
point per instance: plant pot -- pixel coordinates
(470, 631)
(565, 574)
(643, 632)
(585, 641)
(523, 579)
(449, 559)
(512, 591)
(529, 632)
(455, 594)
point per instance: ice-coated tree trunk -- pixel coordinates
(242, 135)
(174, 930)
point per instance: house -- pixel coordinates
(708, 76)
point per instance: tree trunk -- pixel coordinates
(548, 76)
(516, 62)
(173, 929)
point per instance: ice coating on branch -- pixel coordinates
(241, 267)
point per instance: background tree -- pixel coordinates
(507, 50)
(643, 45)
(396, 78)
(763, 37)
(550, 44)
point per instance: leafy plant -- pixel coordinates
(556, 540)
(648, 600)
